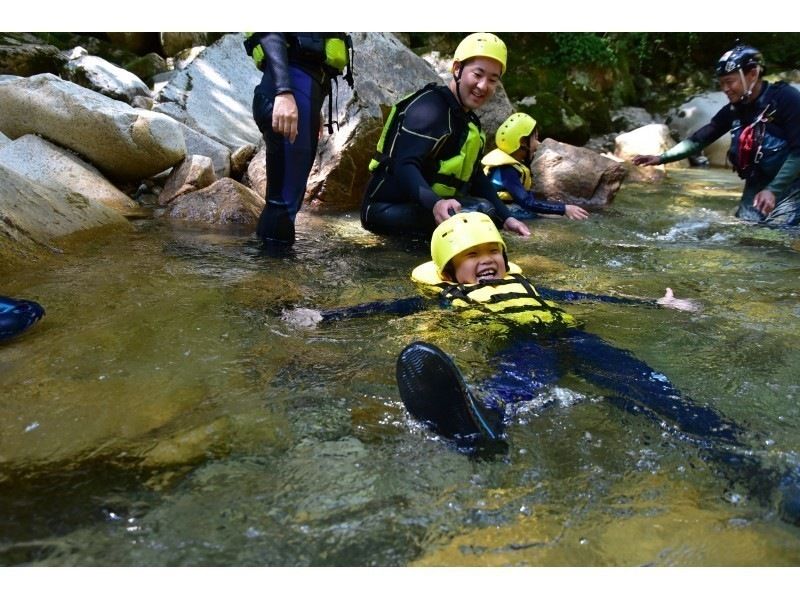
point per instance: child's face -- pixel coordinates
(480, 263)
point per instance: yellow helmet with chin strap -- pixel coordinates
(482, 44)
(514, 128)
(460, 232)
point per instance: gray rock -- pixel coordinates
(63, 173)
(214, 94)
(193, 174)
(101, 76)
(385, 71)
(33, 217)
(202, 145)
(690, 116)
(124, 142)
(26, 59)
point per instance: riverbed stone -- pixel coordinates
(63, 172)
(193, 174)
(203, 145)
(652, 139)
(125, 143)
(224, 202)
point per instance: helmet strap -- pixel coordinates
(748, 89)
(457, 79)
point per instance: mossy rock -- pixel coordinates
(591, 104)
(557, 120)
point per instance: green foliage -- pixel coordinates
(573, 49)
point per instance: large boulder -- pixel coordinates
(214, 94)
(33, 217)
(570, 174)
(224, 202)
(690, 116)
(125, 143)
(99, 75)
(385, 72)
(652, 139)
(62, 172)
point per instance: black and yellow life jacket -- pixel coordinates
(498, 157)
(512, 298)
(454, 172)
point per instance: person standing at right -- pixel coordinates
(764, 121)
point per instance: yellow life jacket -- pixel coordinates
(513, 298)
(498, 157)
(454, 172)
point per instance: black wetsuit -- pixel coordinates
(287, 69)
(399, 198)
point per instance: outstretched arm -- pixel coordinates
(306, 317)
(668, 300)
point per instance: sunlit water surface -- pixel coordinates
(167, 412)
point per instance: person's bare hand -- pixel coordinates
(444, 208)
(515, 226)
(284, 116)
(669, 300)
(645, 160)
(575, 212)
(764, 201)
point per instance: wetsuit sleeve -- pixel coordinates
(682, 150)
(394, 307)
(702, 137)
(571, 296)
(482, 186)
(511, 182)
(276, 59)
(786, 175)
(789, 110)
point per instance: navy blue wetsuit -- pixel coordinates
(399, 198)
(507, 178)
(288, 164)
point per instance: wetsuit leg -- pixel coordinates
(522, 370)
(288, 164)
(633, 380)
(390, 218)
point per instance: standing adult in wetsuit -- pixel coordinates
(297, 71)
(427, 165)
(764, 121)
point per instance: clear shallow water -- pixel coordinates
(166, 413)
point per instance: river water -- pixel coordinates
(169, 410)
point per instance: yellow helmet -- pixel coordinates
(514, 128)
(460, 232)
(482, 44)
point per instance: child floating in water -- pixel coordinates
(508, 168)
(471, 272)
